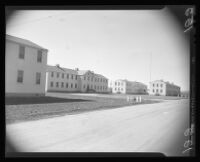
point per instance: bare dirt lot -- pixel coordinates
(20, 109)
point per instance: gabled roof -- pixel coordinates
(23, 41)
(60, 69)
(82, 72)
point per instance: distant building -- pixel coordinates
(61, 79)
(25, 67)
(160, 87)
(67, 80)
(92, 82)
(127, 87)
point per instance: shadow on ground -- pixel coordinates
(39, 100)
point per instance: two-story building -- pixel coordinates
(127, 87)
(160, 87)
(25, 67)
(61, 79)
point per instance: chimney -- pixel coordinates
(57, 65)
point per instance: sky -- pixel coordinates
(137, 45)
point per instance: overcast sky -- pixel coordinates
(115, 43)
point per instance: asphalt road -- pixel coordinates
(155, 127)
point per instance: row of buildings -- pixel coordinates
(27, 73)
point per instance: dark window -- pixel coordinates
(76, 77)
(20, 75)
(66, 85)
(75, 85)
(63, 75)
(153, 90)
(67, 76)
(62, 84)
(72, 85)
(57, 84)
(51, 84)
(72, 76)
(38, 77)
(57, 75)
(21, 52)
(39, 56)
(153, 85)
(52, 74)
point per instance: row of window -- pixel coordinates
(118, 89)
(154, 85)
(67, 85)
(63, 75)
(157, 90)
(22, 54)
(118, 83)
(95, 79)
(95, 87)
(20, 77)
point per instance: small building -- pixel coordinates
(61, 79)
(127, 87)
(160, 87)
(25, 67)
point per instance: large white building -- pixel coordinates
(61, 79)
(160, 87)
(127, 87)
(25, 67)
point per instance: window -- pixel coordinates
(38, 77)
(72, 77)
(63, 75)
(75, 85)
(161, 91)
(51, 84)
(153, 85)
(66, 85)
(115, 83)
(57, 84)
(39, 56)
(72, 85)
(21, 52)
(57, 75)
(67, 76)
(84, 86)
(52, 74)
(62, 84)
(161, 85)
(76, 77)
(153, 90)
(20, 75)
(157, 85)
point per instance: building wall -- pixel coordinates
(60, 80)
(164, 88)
(29, 65)
(118, 86)
(93, 82)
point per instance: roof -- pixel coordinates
(166, 82)
(23, 41)
(60, 69)
(82, 72)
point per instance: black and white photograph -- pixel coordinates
(100, 80)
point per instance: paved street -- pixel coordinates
(155, 127)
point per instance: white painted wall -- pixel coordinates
(29, 65)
